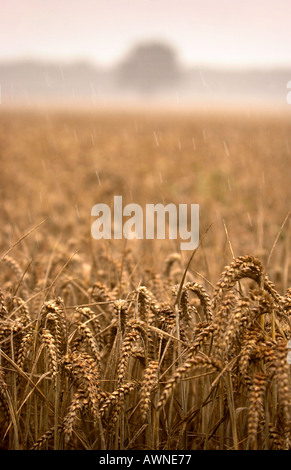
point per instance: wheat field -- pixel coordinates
(127, 345)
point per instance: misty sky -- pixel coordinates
(215, 32)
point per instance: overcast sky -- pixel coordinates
(215, 32)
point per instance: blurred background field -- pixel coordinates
(235, 165)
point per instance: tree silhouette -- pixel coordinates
(149, 67)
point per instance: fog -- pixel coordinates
(150, 72)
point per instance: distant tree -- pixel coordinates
(149, 67)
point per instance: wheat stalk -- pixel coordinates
(150, 381)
